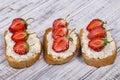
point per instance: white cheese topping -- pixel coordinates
(35, 47)
(65, 54)
(107, 50)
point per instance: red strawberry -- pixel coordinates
(21, 47)
(20, 36)
(98, 32)
(60, 44)
(60, 32)
(98, 44)
(95, 23)
(18, 24)
(58, 23)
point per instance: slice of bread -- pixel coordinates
(20, 64)
(50, 59)
(98, 62)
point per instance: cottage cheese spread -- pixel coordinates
(107, 51)
(32, 40)
(65, 54)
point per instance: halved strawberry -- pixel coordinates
(59, 23)
(60, 44)
(98, 44)
(18, 24)
(19, 36)
(60, 32)
(95, 23)
(21, 47)
(98, 32)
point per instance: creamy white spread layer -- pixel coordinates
(105, 52)
(65, 54)
(32, 40)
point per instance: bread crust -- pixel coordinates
(20, 64)
(49, 58)
(98, 62)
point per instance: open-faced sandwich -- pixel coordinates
(22, 47)
(98, 46)
(60, 43)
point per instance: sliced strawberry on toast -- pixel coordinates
(95, 23)
(18, 24)
(19, 36)
(21, 47)
(60, 32)
(59, 23)
(60, 44)
(98, 32)
(98, 44)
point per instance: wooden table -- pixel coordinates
(44, 13)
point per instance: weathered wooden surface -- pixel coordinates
(45, 12)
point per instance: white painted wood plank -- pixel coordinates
(104, 72)
(114, 74)
(14, 13)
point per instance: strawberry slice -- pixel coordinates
(21, 47)
(95, 23)
(60, 44)
(19, 36)
(60, 32)
(18, 24)
(59, 23)
(98, 44)
(98, 32)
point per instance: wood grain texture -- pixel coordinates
(45, 12)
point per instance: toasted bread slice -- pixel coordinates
(98, 62)
(50, 59)
(20, 64)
